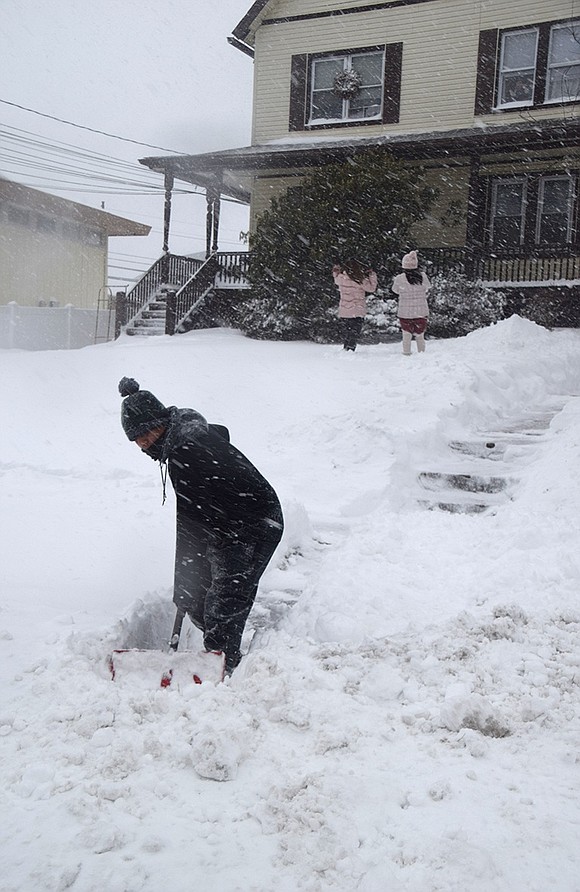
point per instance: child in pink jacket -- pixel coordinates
(354, 283)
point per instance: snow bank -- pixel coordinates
(407, 716)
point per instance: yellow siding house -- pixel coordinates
(485, 94)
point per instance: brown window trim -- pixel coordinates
(488, 62)
(301, 69)
(484, 194)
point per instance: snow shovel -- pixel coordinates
(163, 669)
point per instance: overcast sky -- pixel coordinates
(161, 74)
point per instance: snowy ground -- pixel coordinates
(407, 718)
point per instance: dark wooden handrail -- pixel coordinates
(171, 271)
(183, 301)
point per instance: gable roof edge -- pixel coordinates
(244, 26)
(240, 45)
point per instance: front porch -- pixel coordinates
(174, 293)
(474, 169)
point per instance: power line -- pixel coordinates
(39, 157)
(62, 167)
(90, 129)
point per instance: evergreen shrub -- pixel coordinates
(363, 208)
(458, 305)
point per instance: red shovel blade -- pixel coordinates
(154, 669)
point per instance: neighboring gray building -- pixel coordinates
(53, 250)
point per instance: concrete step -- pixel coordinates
(455, 507)
(475, 482)
(144, 332)
(436, 481)
(461, 502)
(488, 449)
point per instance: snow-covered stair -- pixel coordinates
(151, 319)
(481, 473)
(459, 492)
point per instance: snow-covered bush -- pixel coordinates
(363, 208)
(458, 305)
(548, 308)
(381, 318)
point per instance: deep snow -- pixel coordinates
(407, 718)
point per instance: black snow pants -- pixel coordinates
(351, 331)
(216, 581)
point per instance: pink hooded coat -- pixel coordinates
(353, 294)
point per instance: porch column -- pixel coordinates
(208, 221)
(475, 223)
(212, 222)
(216, 221)
(169, 180)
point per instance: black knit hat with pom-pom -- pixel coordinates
(141, 412)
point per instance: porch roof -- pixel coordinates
(229, 169)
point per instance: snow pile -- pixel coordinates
(408, 715)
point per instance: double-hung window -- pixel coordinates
(508, 212)
(518, 67)
(555, 208)
(347, 88)
(563, 77)
(530, 66)
(532, 210)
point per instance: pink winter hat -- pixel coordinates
(410, 261)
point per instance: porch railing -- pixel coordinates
(185, 300)
(232, 269)
(513, 266)
(171, 270)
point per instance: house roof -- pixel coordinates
(244, 27)
(227, 167)
(34, 199)
(245, 31)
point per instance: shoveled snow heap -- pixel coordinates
(408, 714)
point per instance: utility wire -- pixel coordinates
(36, 155)
(90, 129)
(62, 167)
(65, 168)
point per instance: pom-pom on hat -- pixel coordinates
(410, 260)
(141, 412)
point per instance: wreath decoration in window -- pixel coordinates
(347, 84)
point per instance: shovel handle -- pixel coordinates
(176, 633)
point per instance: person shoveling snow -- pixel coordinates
(229, 519)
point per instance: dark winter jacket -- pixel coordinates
(216, 486)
